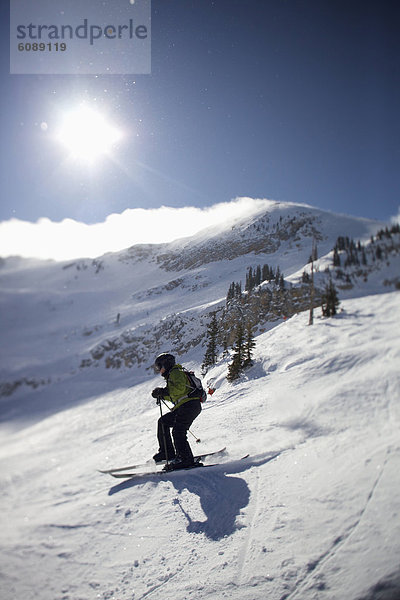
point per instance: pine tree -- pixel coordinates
(330, 300)
(211, 353)
(248, 347)
(235, 368)
(363, 257)
(249, 280)
(265, 273)
(231, 293)
(257, 276)
(336, 257)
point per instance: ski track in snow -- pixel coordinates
(244, 554)
(314, 570)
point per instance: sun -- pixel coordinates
(87, 134)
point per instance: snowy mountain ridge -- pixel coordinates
(283, 228)
(119, 309)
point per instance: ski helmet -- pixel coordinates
(164, 360)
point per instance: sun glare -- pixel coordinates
(87, 134)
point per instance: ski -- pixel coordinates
(197, 464)
(151, 463)
(166, 472)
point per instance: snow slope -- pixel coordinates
(312, 513)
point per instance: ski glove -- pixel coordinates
(158, 393)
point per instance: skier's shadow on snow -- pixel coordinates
(221, 496)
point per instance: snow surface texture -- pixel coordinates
(312, 513)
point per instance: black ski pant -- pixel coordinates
(179, 420)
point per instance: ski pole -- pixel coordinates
(163, 434)
(198, 440)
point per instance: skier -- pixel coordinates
(181, 417)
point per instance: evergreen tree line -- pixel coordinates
(243, 344)
(355, 253)
(254, 277)
(232, 327)
(387, 233)
(358, 254)
(234, 291)
(257, 275)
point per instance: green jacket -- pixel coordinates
(177, 387)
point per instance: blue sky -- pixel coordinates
(293, 100)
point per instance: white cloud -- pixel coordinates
(70, 239)
(396, 218)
